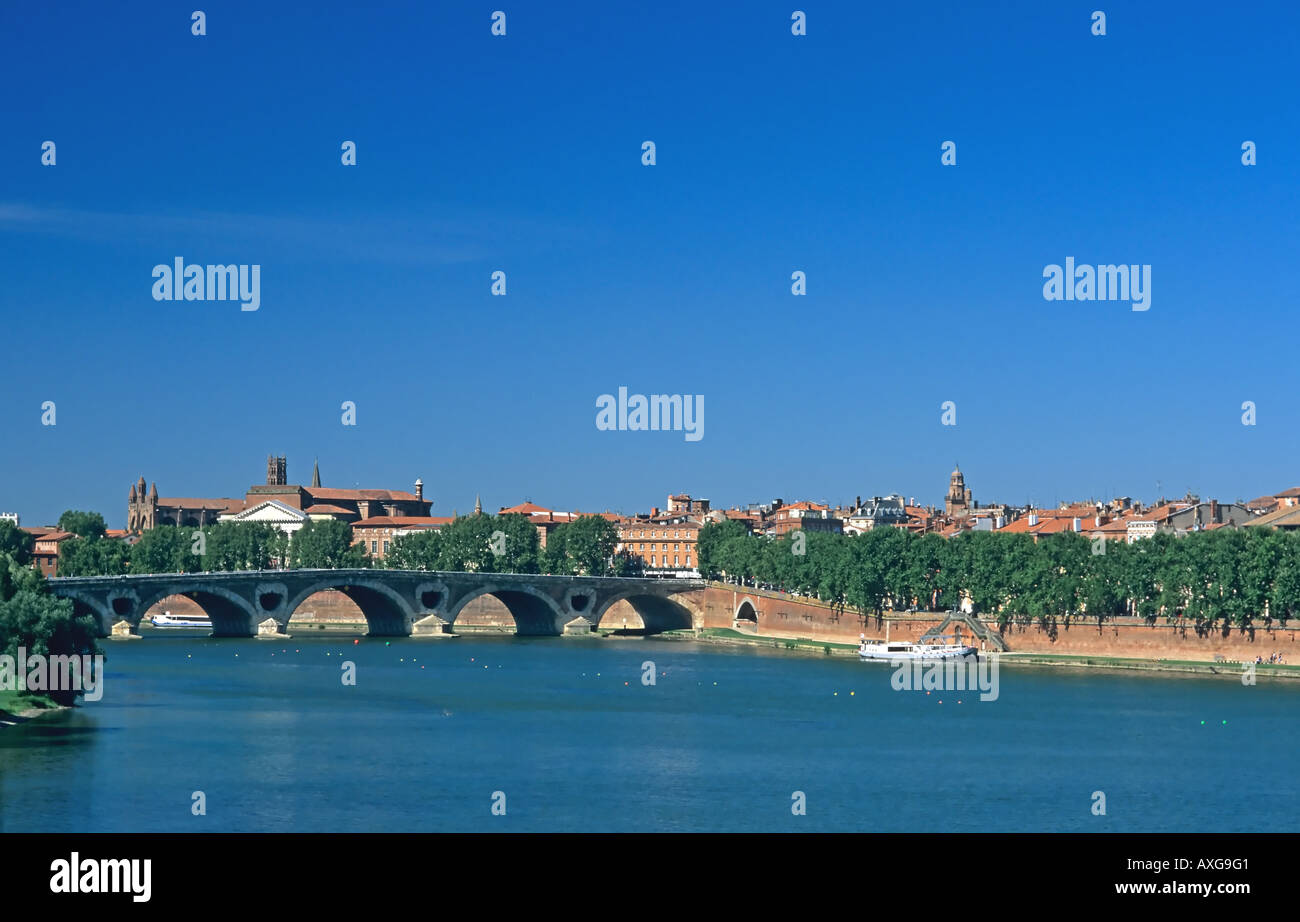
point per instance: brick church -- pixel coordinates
(147, 509)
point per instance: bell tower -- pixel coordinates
(958, 501)
(276, 471)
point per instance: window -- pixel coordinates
(373, 546)
(675, 560)
(385, 547)
(652, 560)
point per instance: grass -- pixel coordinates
(13, 703)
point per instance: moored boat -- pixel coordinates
(167, 619)
(905, 649)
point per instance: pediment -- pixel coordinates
(270, 510)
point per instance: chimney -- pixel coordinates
(1033, 519)
(1214, 510)
(419, 488)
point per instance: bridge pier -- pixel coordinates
(270, 629)
(431, 626)
(125, 630)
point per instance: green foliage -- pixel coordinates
(15, 543)
(83, 524)
(232, 546)
(709, 540)
(420, 550)
(1216, 579)
(32, 618)
(584, 547)
(326, 544)
(93, 557)
(468, 544)
(166, 549)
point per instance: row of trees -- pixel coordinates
(221, 547)
(1227, 575)
(485, 543)
(510, 544)
(32, 618)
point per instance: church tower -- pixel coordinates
(277, 471)
(958, 501)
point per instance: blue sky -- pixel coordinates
(522, 153)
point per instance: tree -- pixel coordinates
(231, 546)
(584, 547)
(15, 542)
(521, 548)
(326, 544)
(711, 536)
(93, 557)
(32, 618)
(166, 549)
(467, 545)
(83, 524)
(419, 550)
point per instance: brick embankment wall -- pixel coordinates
(781, 615)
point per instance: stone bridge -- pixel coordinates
(394, 602)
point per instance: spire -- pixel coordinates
(153, 493)
(315, 474)
(132, 499)
(478, 505)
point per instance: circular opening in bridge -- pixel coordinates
(121, 606)
(747, 613)
(580, 602)
(430, 599)
(269, 601)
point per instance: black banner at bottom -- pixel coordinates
(336, 872)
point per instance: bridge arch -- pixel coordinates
(387, 612)
(657, 613)
(230, 613)
(534, 612)
(88, 605)
(746, 611)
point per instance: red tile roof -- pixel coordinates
(191, 502)
(403, 521)
(318, 493)
(326, 509)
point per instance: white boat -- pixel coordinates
(905, 649)
(167, 619)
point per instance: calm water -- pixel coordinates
(432, 728)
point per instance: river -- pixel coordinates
(561, 734)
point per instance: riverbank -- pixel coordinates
(806, 647)
(16, 708)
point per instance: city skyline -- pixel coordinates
(115, 518)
